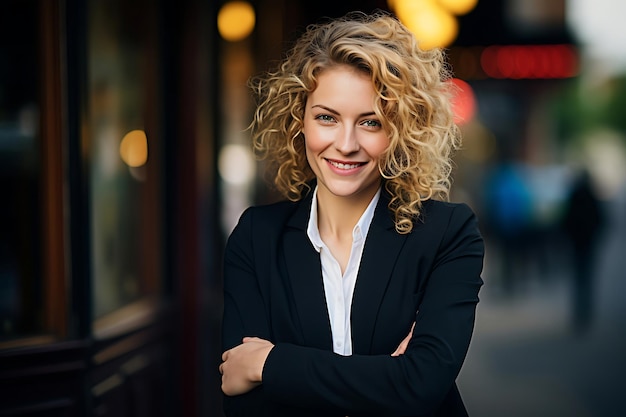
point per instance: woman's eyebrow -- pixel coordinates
(335, 112)
(328, 109)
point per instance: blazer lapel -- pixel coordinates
(381, 250)
(305, 275)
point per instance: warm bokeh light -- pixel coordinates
(458, 7)
(515, 61)
(463, 101)
(433, 26)
(134, 148)
(236, 20)
(529, 61)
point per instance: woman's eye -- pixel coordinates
(371, 123)
(325, 118)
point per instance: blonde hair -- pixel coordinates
(413, 104)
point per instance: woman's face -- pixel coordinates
(343, 136)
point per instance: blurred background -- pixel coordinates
(125, 163)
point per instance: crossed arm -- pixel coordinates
(242, 366)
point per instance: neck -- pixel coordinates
(337, 216)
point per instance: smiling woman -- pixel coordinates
(343, 138)
(357, 294)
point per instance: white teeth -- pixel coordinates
(344, 166)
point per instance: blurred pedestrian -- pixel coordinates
(509, 216)
(583, 221)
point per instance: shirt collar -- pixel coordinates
(360, 229)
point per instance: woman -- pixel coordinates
(357, 295)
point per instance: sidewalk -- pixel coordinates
(525, 361)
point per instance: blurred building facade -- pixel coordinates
(109, 254)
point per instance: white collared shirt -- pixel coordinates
(337, 288)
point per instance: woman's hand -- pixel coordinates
(405, 342)
(242, 366)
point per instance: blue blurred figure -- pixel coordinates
(509, 206)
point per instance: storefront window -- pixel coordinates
(21, 287)
(124, 153)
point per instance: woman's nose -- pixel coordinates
(347, 141)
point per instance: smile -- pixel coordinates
(341, 165)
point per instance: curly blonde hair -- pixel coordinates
(413, 104)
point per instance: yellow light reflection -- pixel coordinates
(433, 26)
(458, 7)
(134, 148)
(236, 20)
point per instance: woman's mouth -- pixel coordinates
(345, 165)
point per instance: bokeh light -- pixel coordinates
(134, 148)
(463, 101)
(432, 25)
(236, 164)
(458, 7)
(529, 61)
(236, 20)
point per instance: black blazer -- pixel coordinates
(273, 289)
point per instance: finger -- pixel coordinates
(401, 348)
(404, 344)
(250, 339)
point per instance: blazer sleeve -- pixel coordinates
(243, 303)
(414, 383)
(243, 313)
